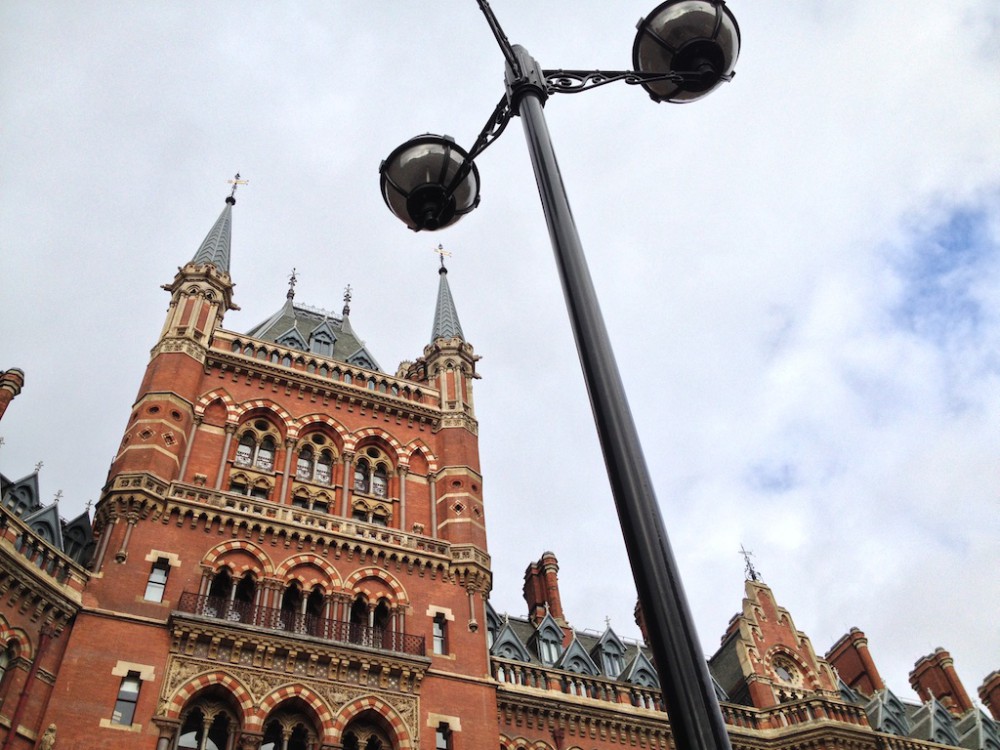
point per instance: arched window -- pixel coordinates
(362, 473)
(8, 658)
(371, 473)
(265, 454)
(380, 481)
(207, 725)
(368, 731)
(324, 467)
(290, 728)
(246, 449)
(304, 465)
(292, 617)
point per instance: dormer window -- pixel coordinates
(548, 649)
(322, 344)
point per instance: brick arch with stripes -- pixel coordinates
(418, 445)
(371, 703)
(278, 411)
(311, 420)
(7, 634)
(183, 695)
(287, 569)
(219, 394)
(213, 557)
(275, 698)
(359, 437)
(355, 583)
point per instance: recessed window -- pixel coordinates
(440, 632)
(128, 697)
(157, 582)
(442, 737)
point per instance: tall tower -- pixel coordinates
(291, 543)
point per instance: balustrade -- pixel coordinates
(300, 623)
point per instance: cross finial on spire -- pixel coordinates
(347, 300)
(88, 505)
(441, 253)
(235, 182)
(39, 466)
(751, 571)
(292, 280)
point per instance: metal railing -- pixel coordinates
(298, 623)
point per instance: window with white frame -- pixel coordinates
(156, 584)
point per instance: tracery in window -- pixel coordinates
(371, 473)
(290, 728)
(207, 724)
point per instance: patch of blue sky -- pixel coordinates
(941, 268)
(772, 477)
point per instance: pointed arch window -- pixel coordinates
(245, 450)
(324, 467)
(371, 473)
(206, 727)
(265, 454)
(305, 464)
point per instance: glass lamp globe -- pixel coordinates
(698, 39)
(429, 182)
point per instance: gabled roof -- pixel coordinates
(575, 659)
(214, 248)
(46, 524)
(446, 325)
(22, 496)
(508, 645)
(886, 713)
(977, 731)
(640, 671)
(934, 723)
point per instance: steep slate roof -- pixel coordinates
(299, 327)
(446, 325)
(215, 247)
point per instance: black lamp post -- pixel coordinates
(682, 51)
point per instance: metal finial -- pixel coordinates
(88, 505)
(235, 182)
(347, 300)
(292, 280)
(607, 621)
(58, 496)
(751, 571)
(441, 253)
(39, 466)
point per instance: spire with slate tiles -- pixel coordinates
(446, 324)
(215, 247)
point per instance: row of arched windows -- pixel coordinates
(375, 623)
(210, 721)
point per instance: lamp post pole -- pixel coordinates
(696, 721)
(682, 52)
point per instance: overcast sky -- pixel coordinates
(801, 275)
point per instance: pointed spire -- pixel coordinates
(215, 248)
(446, 325)
(347, 300)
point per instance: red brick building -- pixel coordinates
(290, 554)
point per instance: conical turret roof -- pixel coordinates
(215, 248)
(446, 325)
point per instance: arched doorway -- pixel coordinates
(208, 722)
